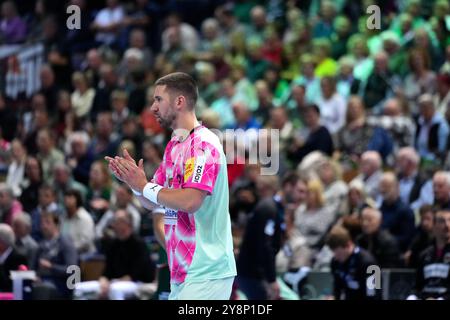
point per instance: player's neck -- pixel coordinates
(185, 124)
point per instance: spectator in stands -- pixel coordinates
(47, 203)
(400, 126)
(8, 120)
(10, 259)
(127, 265)
(315, 137)
(421, 79)
(265, 102)
(79, 157)
(108, 22)
(109, 81)
(30, 187)
(83, 96)
(349, 267)
(432, 131)
(381, 84)
(442, 96)
(294, 252)
(99, 192)
(49, 88)
(9, 206)
(358, 136)
(260, 244)
(77, 223)
(189, 38)
(63, 181)
(335, 190)
(55, 254)
(346, 83)
(357, 198)
(223, 104)
(24, 244)
(105, 141)
(398, 218)
(441, 190)
(39, 119)
(410, 178)
(124, 200)
(314, 219)
(121, 112)
(48, 155)
(433, 280)
(332, 105)
(423, 237)
(12, 28)
(371, 172)
(379, 242)
(279, 120)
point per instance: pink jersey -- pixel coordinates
(193, 163)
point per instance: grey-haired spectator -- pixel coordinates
(379, 242)
(411, 180)
(79, 156)
(64, 181)
(24, 244)
(10, 259)
(441, 190)
(371, 172)
(432, 131)
(16, 169)
(9, 206)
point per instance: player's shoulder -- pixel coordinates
(208, 137)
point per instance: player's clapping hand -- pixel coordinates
(126, 170)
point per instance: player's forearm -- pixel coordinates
(158, 229)
(147, 204)
(179, 199)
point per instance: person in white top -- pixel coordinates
(16, 169)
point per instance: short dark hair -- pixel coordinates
(76, 194)
(291, 177)
(314, 108)
(54, 215)
(180, 83)
(339, 237)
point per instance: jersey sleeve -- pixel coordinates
(201, 167)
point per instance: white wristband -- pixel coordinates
(136, 193)
(151, 191)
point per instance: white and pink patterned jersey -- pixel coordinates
(199, 245)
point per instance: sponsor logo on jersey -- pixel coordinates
(199, 169)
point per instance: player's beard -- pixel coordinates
(168, 121)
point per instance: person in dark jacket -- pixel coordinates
(433, 273)
(10, 259)
(316, 137)
(54, 256)
(423, 237)
(261, 242)
(349, 267)
(398, 218)
(127, 265)
(380, 243)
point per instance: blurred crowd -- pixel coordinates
(363, 118)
